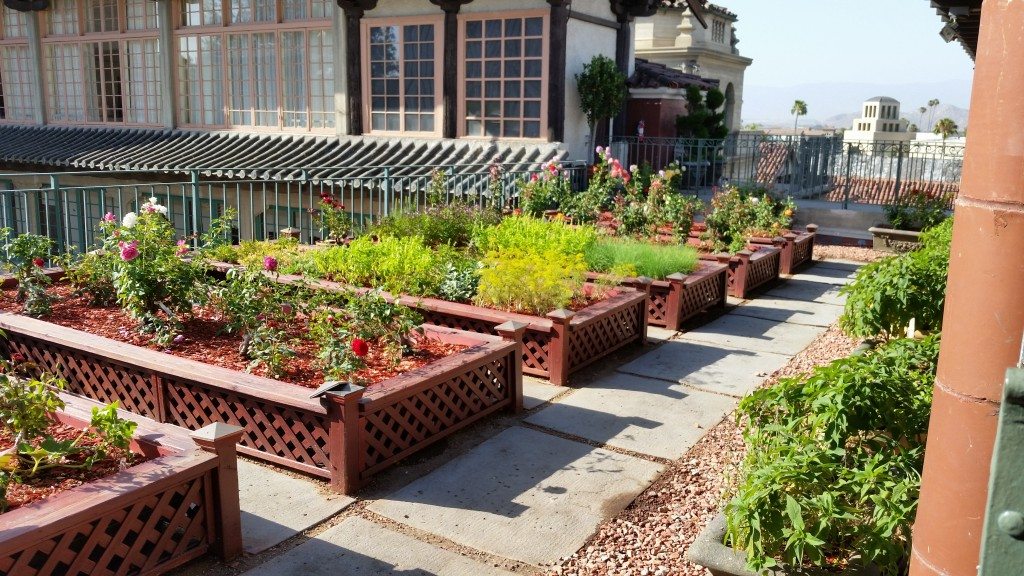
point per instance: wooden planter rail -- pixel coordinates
(553, 346)
(345, 436)
(797, 248)
(680, 297)
(749, 270)
(148, 519)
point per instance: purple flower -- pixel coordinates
(180, 338)
(270, 264)
(109, 218)
(129, 250)
(182, 247)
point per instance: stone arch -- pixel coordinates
(730, 107)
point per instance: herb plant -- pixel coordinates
(25, 255)
(634, 258)
(532, 282)
(525, 234)
(398, 265)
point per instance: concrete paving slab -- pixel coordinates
(749, 333)
(656, 334)
(797, 288)
(791, 311)
(673, 417)
(523, 494)
(537, 392)
(839, 264)
(358, 547)
(276, 506)
(707, 366)
(825, 275)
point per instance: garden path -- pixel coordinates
(541, 484)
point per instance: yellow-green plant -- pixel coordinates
(532, 282)
(526, 234)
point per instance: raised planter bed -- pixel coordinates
(749, 269)
(894, 240)
(797, 248)
(553, 346)
(346, 435)
(148, 519)
(680, 297)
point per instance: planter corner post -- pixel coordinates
(677, 286)
(558, 356)
(513, 332)
(644, 285)
(222, 439)
(344, 442)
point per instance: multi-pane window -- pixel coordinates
(504, 76)
(200, 80)
(17, 87)
(13, 24)
(718, 31)
(101, 62)
(201, 13)
(403, 76)
(306, 10)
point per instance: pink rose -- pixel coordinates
(109, 218)
(270, 264)
(182, 247)
(129, 250)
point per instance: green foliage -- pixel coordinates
(461, 280)
(337, 223)
(917, 210)
(739, 213)
(27, 408)
(251, 253)
(387, 329)
(885, 295)
(439, 225)
(946, 127)
(602, 89)
(398, 265)
(705, 118)
(257, 307)
(799, 109)
(643, 259)
(92, 275)
(651, 205)
(525, 234)
(833, 467)
(530, 281)
(548, 190)
(25, 255)
(218, 237)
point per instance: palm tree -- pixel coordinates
(799, 109)
(945, 127)
(920, 122)
(932, 104)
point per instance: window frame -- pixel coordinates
(545, 57)
(364, 32)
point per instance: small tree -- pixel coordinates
(946, 127)
(932, 104)
(799, 109)
(705, 117)
(602, 89)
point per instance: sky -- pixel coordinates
(888, 45)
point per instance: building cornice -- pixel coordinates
(693, 52)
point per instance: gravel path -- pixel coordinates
(650, 537)
(822, 252)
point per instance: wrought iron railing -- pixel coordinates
(821, 167)
(68, 206)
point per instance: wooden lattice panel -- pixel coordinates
(604, 335)
(92, 376)
(395, 429)
(438, 318)
(270, 428)
(535, 344)
(657, 310)
(803, 251)
(701, 295)
(154, 530)
(763, 269)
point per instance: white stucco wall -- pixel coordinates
(585, 40)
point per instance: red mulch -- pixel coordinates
(56, 480)
(204, 341)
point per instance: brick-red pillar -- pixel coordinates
(984, 316)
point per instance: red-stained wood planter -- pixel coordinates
(345, 436)
(797, 248)
(148, 519)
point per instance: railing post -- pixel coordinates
(221, 439)
(849, 169)
(344, 442)
(194, 188)
(558, 349)
(513, 332)
(385, 192)
(899, 169)
(674, 302)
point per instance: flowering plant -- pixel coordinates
(258, 308)
(546, 190)
(739, 213)
(336, 220)
(25, 255)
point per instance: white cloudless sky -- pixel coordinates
(879, 41)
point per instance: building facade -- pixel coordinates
(880, 121)
(701, 43)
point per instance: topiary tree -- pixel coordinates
(602, 89)
(705, 117)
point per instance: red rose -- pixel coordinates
(39, 262)
(360, 347)
(17, 358)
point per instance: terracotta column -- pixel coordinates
(984, 316)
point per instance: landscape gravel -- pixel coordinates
(823, 252)
(650, 537)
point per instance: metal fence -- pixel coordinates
(68, 206)
(820, 167)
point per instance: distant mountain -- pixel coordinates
(837, 104)
(959, 115)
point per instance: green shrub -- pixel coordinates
(251, 253)
(547, 190)
(530, 282)
(450, 225)
(461, 280)
(651, 260)
(885, 295)
(739, 213)
(25, 255)
(833, 465)
(917, 210)
(398, 265)
(525, 234)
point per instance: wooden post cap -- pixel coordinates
(213, 436)
(561, 315)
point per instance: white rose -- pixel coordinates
(129, 220)
(154, 200)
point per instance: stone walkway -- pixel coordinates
(534, 491)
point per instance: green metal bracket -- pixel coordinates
(1002, 552)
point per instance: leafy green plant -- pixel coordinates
(25, 256)
(917, 210)
(643, 259)
(93, 275)
(885, 295)
(739, 213)
(650, 206)
(533, 282)
(705, 117)
(439, 225)
(398, 265)
(833, 467)
(547, 190)
(525, 234)
(257, 307)
(460, 282)
(336, 220)
(251, 253)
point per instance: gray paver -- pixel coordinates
(276, 506)
(523, 494)
(839, 264)
(537, 392)
(792, 311)
(798, 289)
(358, 547)
(608, 410)
(825, 275)
(657, 334)
(707, 366)
(756, 334)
